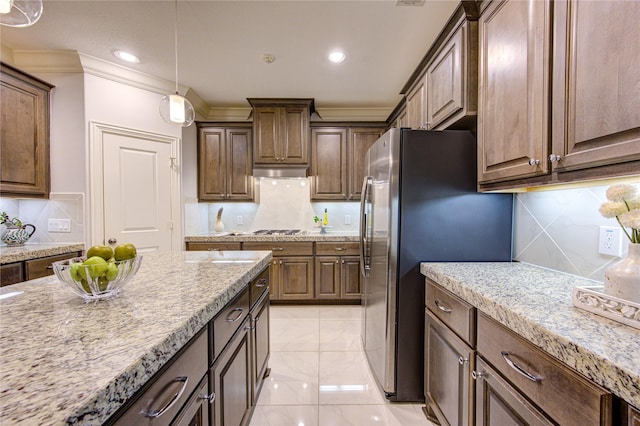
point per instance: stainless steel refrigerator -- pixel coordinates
(419, 203)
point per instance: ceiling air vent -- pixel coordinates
(409, 2)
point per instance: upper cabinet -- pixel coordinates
(513, 89)
(337, 160)
(224, 162)
(444, 94)
(24, 134)
(281, 131)
(596, 84)
(559, 92)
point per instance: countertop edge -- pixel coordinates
(10, 254)
(594, 366)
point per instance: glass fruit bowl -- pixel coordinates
(96, 281)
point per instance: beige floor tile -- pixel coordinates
(340, 335)
(285, 415)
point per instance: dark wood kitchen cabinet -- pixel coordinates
(291, 272)
(338, 159)
(513, 104)
(225, 165)
(31, 269)
(213, 246)
(337, 271)
(416, 102)
(281, 131)
(596, 114)
(24, 134)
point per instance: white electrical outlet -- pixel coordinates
(347, 219)
(610, 241)
(238, 220)
(59, 225)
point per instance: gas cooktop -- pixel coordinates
(279, 232)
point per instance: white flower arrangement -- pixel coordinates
(623, 203)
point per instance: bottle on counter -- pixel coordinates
(325, 220)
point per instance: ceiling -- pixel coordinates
(221, 44)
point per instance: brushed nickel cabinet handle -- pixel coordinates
(176, 396)
(462, 360)
(262, 282)
(477, 375)
(442, 307)
(555, 157)
(340, 249)
(519, 369)
(238, 310)
(533, 162)
(277, 248)
(211, 397)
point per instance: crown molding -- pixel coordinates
(229, 114)
(354, 114)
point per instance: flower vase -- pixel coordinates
(219, 227)
(622, 280)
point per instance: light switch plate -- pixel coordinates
(610, 241)
(59, 225)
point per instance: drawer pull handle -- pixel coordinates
(211, 397)
(262, 282)
(277, 248)
(519, 369)
(238, 310)
(462, 361)
(340, 248)
(213, 249)
(477, 375)
(442, 307)
(50, 267)
(176, 396)
(251, 325)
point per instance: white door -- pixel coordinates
(138, 189)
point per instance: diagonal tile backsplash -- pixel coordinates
(559, 230)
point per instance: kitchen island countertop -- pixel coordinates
(536, 304)
(9, 254)
(64, 361)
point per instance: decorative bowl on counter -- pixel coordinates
(99, 281)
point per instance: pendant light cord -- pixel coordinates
(176, 43)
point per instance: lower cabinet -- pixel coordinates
(230, 381)
(31, 269)
(259, 338)
(337, 277)
(196, 410)
(11, 273)
(448, 365)
(498, 403)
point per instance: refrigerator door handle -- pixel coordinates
(365, 261)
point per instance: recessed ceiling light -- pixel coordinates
(336, 56)
(126, 56)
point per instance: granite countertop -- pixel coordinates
(64, 361)
(242, 237)
(536, 304)
(9, 254)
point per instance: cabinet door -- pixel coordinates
(445, 80)
(416, 105)
(274, 280)
(295, 278)
(498, 403)
(266, 126)
(36, 268)
(231, 381)
(329, 164)
(294, 135)
(596, 109)
(448, 365)
(513, 94)
(212, 164)
(351, 279)
(259, 346)
(360, 140)
(11, 273)
(327, 282)
(239, 164)
(213, 246)
(196, 410)
(24, 134)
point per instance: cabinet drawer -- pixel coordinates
(297, 248)
(11, 273)
(337, 249)
(562, 393)
(213, 246)
(170, 390)
(37, 268)
(227, 321)
(457, 314)
(258, 286)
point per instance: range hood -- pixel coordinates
(280, 172)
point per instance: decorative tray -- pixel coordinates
(593, 299)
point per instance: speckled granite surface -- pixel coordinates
(64, 361)
(33, 251)
(536, 303)
(311, 236)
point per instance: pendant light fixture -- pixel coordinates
(174, 108)
(20, 13)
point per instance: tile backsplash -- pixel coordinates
(559, 230)
(38, 212)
